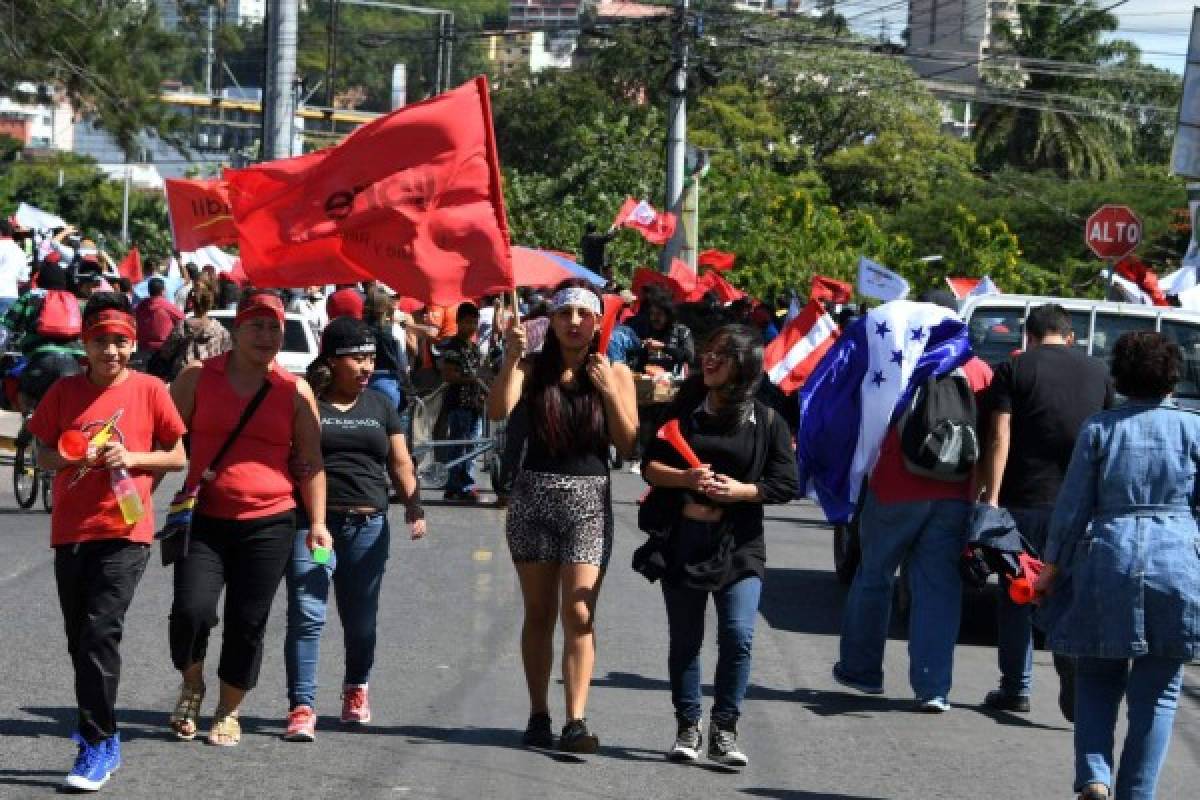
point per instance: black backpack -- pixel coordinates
(939, 436)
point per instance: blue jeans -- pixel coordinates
(737, 607)
(1150, 686)
(462, 423)
(931, 535)
(1014, 643)
(360, 552)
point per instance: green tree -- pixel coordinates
(1073, 137)
(85, 48)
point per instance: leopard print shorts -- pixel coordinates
(563, 519)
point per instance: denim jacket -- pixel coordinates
(1125, 538)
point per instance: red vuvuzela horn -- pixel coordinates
(1020, 590)
(671, 434)
(612, 309)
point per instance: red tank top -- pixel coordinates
(253, 479)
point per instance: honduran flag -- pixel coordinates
(793, 355)
(861, 386)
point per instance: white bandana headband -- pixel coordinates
(575, 296)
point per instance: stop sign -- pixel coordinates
(1113, 231)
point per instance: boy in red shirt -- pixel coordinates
(98, 557)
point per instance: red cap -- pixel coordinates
(110, 320)
(259, 304)
(345, 303)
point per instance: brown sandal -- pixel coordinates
(184, 719)
(226, 730)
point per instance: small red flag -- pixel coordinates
(1134, 269)
(830, 290)
(200, 214)
(713, 282)
(131, 266)
(643, 276)
(717, 259)
(413, 199)
(962, 286)
(792, 355)
(657, 227)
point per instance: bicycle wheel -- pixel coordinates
(25, 475)
(47, 481)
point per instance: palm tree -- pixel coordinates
(1073, 125)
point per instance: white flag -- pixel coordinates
(876, 280)
(34, 219)
(1178, 281)
(1189, 299)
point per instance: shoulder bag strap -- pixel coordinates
(251, 407)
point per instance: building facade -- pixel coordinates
(950, 40)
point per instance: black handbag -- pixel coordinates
(175, 538)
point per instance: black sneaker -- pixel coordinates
(687, 742)
(1003, 701)
(576, 738)
(539, 732)
(723, 747)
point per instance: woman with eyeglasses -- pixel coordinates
(716, 548)
(560, 522)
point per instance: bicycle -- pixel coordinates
(30, 480)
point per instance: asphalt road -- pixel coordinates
(449, 701)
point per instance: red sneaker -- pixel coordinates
(301, 725)
(355, 708)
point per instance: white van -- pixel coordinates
(996, 324)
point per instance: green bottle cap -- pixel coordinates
(321, 555)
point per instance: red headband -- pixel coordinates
(260, 305)
(110, 320)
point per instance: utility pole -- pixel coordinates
(447, 82)
(209, 53)
(331, 58)
(125, 205)
(278, 95)
(676, 120)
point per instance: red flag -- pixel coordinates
(792, 355)
(644, 276)
(613, 306)
(1134, 269)
(830, 290)
(962, 286)
(200, 214)
(412, 199)
(131, 266)
(713, 282)
(717, 259)
(657, 227)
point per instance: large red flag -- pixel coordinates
(412, 199)
(657, 227)
(200, 214)
(131, 266)
(792, 355)
(717, 259)
(830, 290)
(1134, 269)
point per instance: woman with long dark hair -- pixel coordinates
(560, 523)
(716, 545)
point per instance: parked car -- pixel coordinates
(300, 344)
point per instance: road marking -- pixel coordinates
(482, 556)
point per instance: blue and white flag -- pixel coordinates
(985, 286)
(876, 280)
(861, 386)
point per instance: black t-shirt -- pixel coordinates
(355, 448)
(1050, 391)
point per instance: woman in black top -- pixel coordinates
(559, 526)
(362, 444)
(716, 545)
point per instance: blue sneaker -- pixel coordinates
(114, 752)
(92, 765)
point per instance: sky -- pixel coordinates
(1159, 27)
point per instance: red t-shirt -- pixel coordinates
(156, 317)
(88, 510)
(891, 482)
(345, 303)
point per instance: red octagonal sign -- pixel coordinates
(1113, 231)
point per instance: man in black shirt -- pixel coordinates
(1040, 400)
(461, 362)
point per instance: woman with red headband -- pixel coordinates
(108, 431)
(245, 519)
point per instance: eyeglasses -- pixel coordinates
(715, 356)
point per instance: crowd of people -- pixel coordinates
(291, 477)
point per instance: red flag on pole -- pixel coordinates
(717, 259)
(713, 282)
(657, 227)
(643, 276)
(412, 199)
(199, 213)
(131, 266)
(792, 355)
(830, 290)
